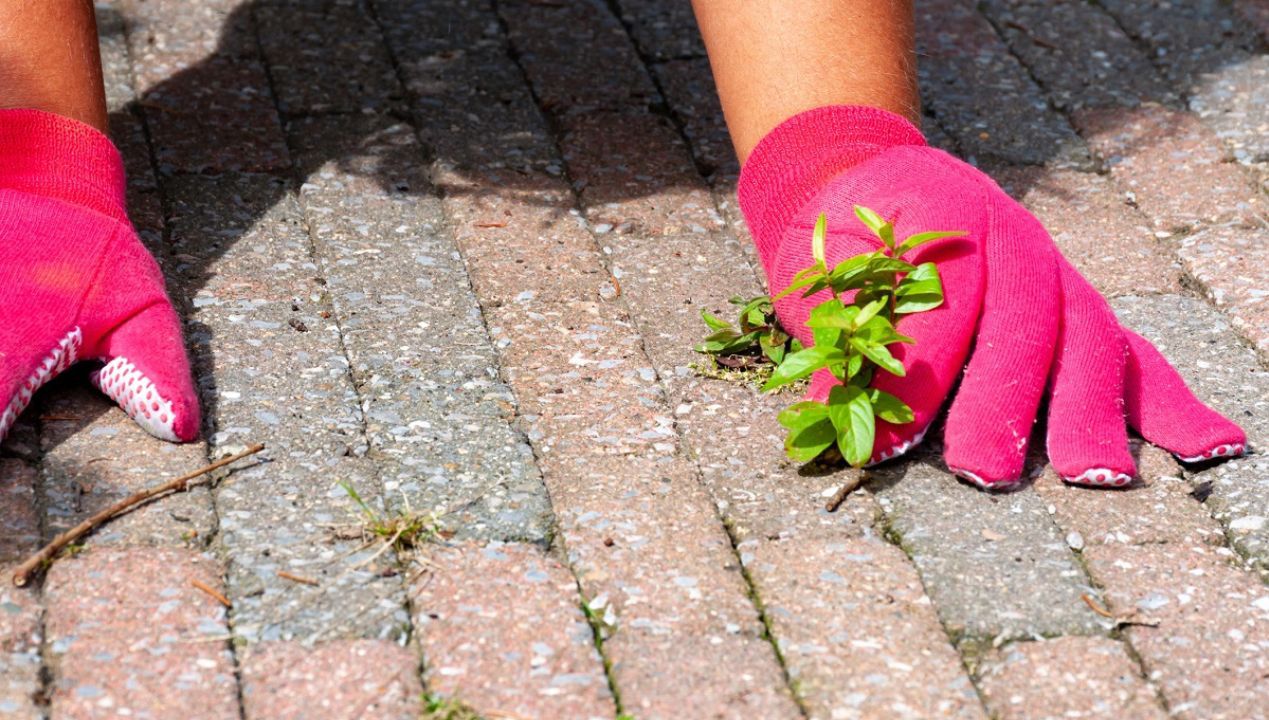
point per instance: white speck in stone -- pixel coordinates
(1248, 523)
(1153, 601)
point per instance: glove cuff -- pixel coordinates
(803, 153)
(57, 157)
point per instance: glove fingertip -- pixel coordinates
(172, 416)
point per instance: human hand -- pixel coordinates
(1007, 290)
(77, 284)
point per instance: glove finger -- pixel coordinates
(1087, 438)
(147, 373)
(20, 385)
(1162, 408)
(990, 421)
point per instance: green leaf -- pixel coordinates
(879, 331)
(876, 224)
(886, 264)
(869, 311)
(854, 363)
(818, 239)
(915, 241)
(850, 411)
(810, 430)
(920, 290)
(802, 363)
(832, 314)
(889, 408)
(880, 355)
(801, 280)
(713, 322)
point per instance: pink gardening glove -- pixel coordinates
(1008, 292)
(76, 283)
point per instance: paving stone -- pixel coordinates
(656, 567)
(1257, 13)
(170, 35)
(129, 635)
(584, 384)
(1201, 345)
(1096, 229)
(857, 633)
(1208, 652)
(249, 269)
(1078, 53)
(1158, 508)
(1067, 677)
(689, 89)
(348, 678)
(19, 520)
(437, 415)
(983, 96)
(970, 545)
(1173, 167)
(1228, 261)
(116, 66)
(502, 631)
(578, 57)
(330, 60)
(95, 455)
(1210, 54)
(663, 29)
(518, 245)
(20, 638)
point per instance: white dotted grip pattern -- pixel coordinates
(62, 356)
(122, 382)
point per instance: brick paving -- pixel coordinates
(453, 253)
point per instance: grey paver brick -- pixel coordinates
(340, 679)
(857, 632)
(437, 416)
(169, 35)
(21, 632)
(1201, 345)
(330, 59)
(549, 38)
(1257, 13)
(1078, 52)
(995, 565)
(95, 455)
(248, 266)
(663, 29)
(128, 635)
(1067, 677)
(1157, 509)
(689, 90)
(502, 630)
(1229, 261)
(19, 521)
(1108, 241)
(983, 96)
(1208, 652)
(1173, 166)
(1210, 54)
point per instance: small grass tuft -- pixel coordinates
(436, 707)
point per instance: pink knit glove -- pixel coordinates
(76, 283)
(1008, 292)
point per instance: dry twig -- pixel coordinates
(297, 578)
(1120, 620)
(857, 478)
(216, 594)
(23, 573)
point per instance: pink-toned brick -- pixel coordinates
(502, 630)
(520, 244)
(129, 635)
(1229, 262)
(1067, 677)
(1208, 652)
(1108, 241)
(859, 637)
(338, 679)
(1172, 164)
(19, 523)
(645, 543)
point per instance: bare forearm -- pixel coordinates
(49, 59)
(775, 58)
